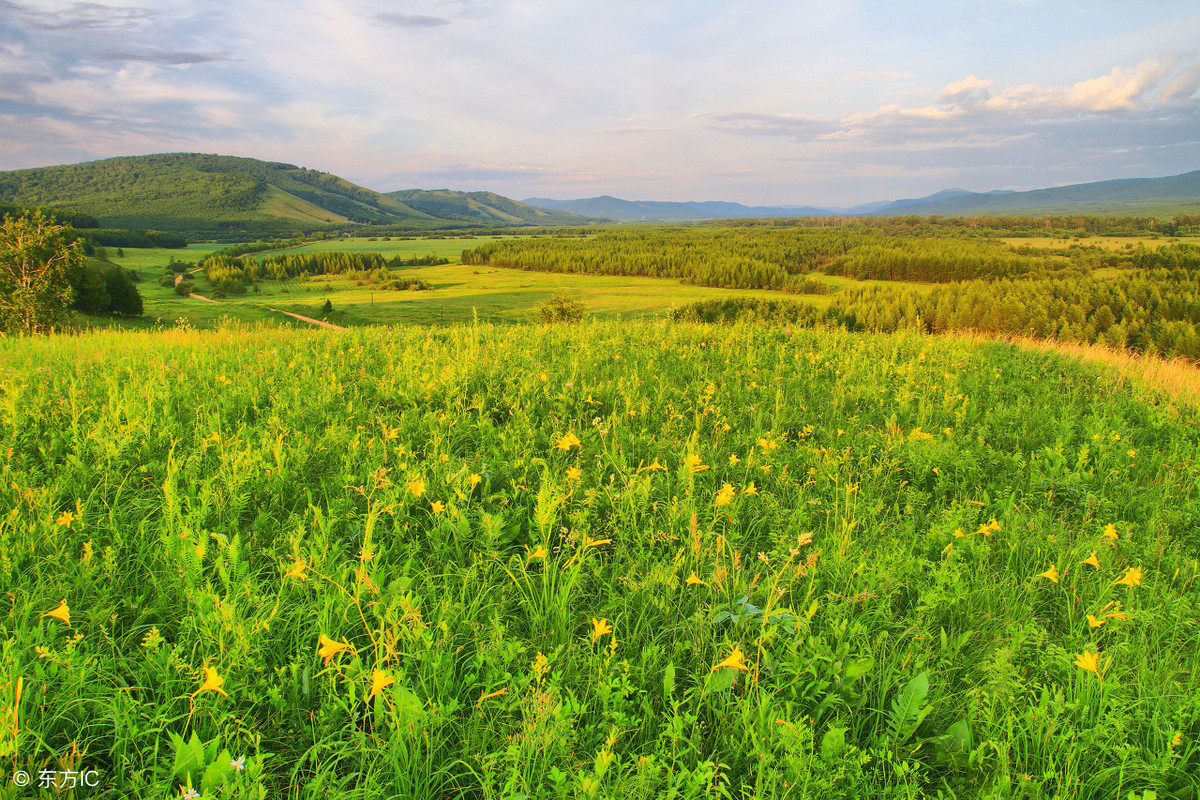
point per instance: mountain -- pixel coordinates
(1177, 194)
(485, 207)
(615, 208)
(200, 192)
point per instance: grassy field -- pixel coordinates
(619, 559)
(460, 293)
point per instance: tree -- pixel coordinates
(36, 259)
(91, 291)
(123, 296)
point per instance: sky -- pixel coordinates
(764, 102)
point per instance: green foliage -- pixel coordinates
(562, 307)
(37, 260)
(91, 290)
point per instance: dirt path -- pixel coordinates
(202, 297)
(310, 319)
(179, 277)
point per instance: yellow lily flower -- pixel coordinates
(1050, 574)
(379, 680)
(1087, 660)
(1093, 622)
(62, 613)
(212, 683)
(568, 441)
(1132, 577)
(437, 506)
(574, 473)
(599, 628)
(1092, 560)
(694, 580)
(725, 496)
(416, 487)
(329, 648)
(297, 571)
(734, 661)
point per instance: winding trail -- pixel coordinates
(322, 323)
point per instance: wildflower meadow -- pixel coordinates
(604, 560)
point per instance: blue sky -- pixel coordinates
(762, 102)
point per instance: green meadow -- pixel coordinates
(616, 559)
(460, 293)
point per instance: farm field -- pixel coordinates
(620, 559)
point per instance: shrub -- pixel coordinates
(562, 307)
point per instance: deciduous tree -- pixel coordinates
(36, 258)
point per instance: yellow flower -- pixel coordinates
(541, 665)
(768, 444)
(329, 648)
(574, 473)
(65, 519)
(475, 479)
(733, 459)
(1132, 577)
(599, 628)
(694, 580)
(416, 487)
(1092, 560)
(539, 552)
(750, 489)
(1177, 739)
(380, 680)
(1093, 622)
(297, 571)
(1087, 660)
(695, 463)
(1050, 574)
(735, 660)
(1110, 532)
(212, 683)
(652, 467)
(569, 441)
(62, 613)
(438, 506)
(725, 496)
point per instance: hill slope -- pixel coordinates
(1137, 196)
(487, 207)
(200, 192)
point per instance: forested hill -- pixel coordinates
(1177, 194)
(486, 207)
(200, 192)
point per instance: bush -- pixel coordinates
(561, 308)
(184, 287)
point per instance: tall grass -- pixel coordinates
(605, 560)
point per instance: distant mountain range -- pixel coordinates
(1178, 194)
(200, 192)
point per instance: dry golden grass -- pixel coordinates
(1174, 378)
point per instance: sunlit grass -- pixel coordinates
(619, 559)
